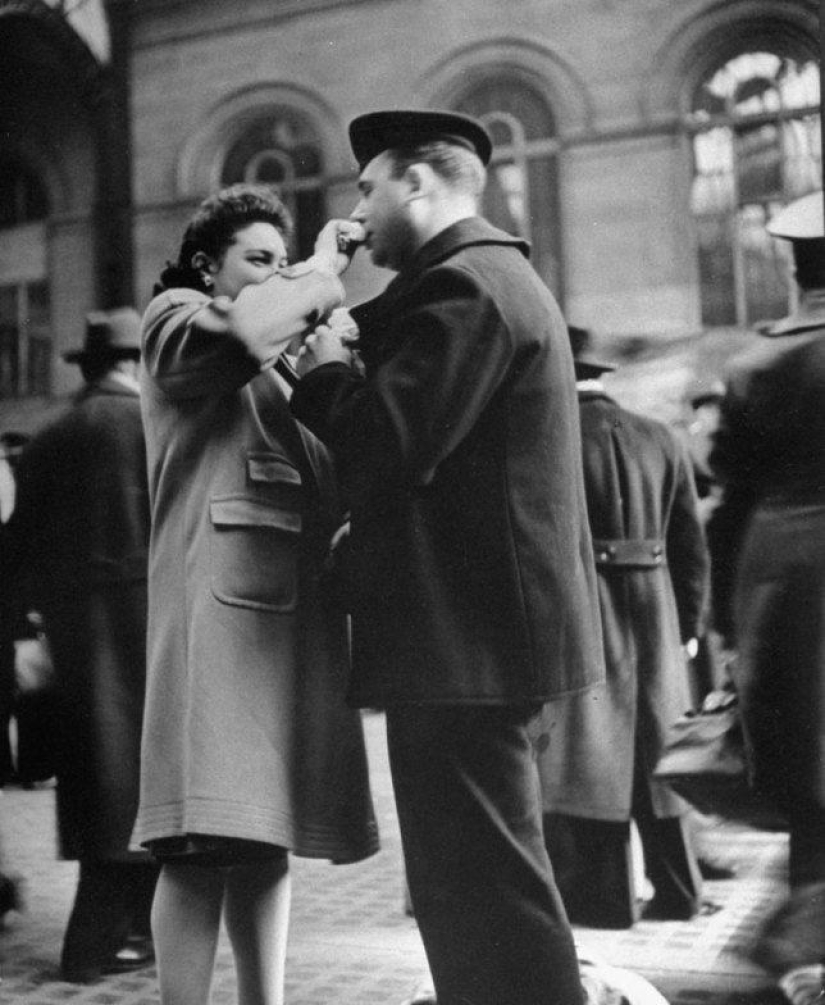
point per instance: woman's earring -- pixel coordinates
(208, 281)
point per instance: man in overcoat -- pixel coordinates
(652, 574)
(79, 534)
(471, 570)
(769, 455)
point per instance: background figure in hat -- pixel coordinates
(652, 574)
(472, 584)
(769, 455)
(77, 541)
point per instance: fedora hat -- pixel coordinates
(586, 364)
(111, 334)
(375, 132)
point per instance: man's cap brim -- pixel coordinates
(801, 220)
(375, 132)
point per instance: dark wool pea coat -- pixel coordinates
(79, 535)
(652, 573)
(472, 576)
(771, 449)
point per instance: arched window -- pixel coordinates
(522, 189)
(25, 316)
(756, 143)
(281, 148)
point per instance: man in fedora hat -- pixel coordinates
(652, 574)
(769, 454)
(78, 540)
(472, 578)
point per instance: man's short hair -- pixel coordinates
(459, 167)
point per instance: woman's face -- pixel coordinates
(257, 252)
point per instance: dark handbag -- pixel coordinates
(705, 762)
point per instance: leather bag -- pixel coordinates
(705, 762)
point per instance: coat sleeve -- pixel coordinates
(195, 346)
(687, 552)
(453, 353)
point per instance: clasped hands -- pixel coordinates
(331, 342)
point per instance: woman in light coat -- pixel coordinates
(249, 750)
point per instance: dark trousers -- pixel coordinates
(670, 860)
(595, 868)
(491, 918)
(113, 901)
(806, 865)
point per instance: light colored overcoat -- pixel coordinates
(246, 733)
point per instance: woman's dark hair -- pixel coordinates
(213, 227)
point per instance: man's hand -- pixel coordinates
(322, 346)
(336, 244)
(343, 325)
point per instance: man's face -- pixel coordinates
(383, 210)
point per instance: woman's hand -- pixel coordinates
(322, 346)
(336, 244)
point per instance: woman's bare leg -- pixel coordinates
(257, 919)
(186, 916)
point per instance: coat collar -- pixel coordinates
(471, 231)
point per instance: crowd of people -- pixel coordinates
(262, 513)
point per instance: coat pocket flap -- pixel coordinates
(240, 511)
(272, 468)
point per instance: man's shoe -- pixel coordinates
(11, 894)
(81, 975)
(660, 910)
(136, 954)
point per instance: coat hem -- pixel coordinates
(315, 841)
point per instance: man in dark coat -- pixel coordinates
(652, 574)
(769, 455)
(79, 533)
(472, 577)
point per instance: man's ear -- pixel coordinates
(419, 178)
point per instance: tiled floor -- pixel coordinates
(351, 943)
